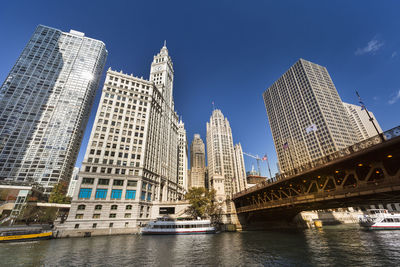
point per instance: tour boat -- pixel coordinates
(24, 235)
(380, 219)
(165, 226)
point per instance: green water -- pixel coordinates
(329, 246)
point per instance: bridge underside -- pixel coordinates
(367, 177)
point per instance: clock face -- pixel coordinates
(159, 68)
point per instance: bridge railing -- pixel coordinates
(377, 139)
(375, 186)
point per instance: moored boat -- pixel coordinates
(165, 226)
(380, 219)
(24, 235)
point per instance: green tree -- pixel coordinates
(58, 195)
(201, 202)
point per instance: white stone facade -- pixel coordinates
(131, 160)
(45, 104)
(361, 122)
(306, 116)
(182, 156)
(221, 155)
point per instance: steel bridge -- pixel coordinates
(362, 174)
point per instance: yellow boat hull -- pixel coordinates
(26, 237)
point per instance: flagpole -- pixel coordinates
(369, 116)
(269, 170)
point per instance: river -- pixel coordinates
(342, 245)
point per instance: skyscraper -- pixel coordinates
(306, 115)
(132, 157)
(182, 156)
(361, 123)
(240, 170)
(197, 162)
(45, 104)
(221, 154)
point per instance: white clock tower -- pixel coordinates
(162, 74)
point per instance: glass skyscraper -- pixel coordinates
(45, 103)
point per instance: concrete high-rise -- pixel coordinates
(306, 115)
(131, 161)
(45, 104)
(182, 156)
(197, 162)
(361, 123)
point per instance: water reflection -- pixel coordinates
(329, 246)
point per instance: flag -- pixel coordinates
(285, 145)
(265, 157)
(311, 128)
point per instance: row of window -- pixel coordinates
(116, 182)
(85, 193)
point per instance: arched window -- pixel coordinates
(114, 207)
(98, 207)
(81, 207)
(128, 207)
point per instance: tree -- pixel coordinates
(201, 202)
(58, 194)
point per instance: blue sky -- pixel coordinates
(229, 52)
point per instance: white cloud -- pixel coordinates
(394, 54)
(372, 46)
(395, 98)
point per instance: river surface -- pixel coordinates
(329, 246)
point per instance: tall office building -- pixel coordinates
(182, 156)
(221, 155)
(306, 115)
(240, 169)
(45, 104)
(132, 157)
(197, 162)
(361, 123)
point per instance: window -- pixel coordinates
(143, 196)
(76, 226)
(98, 207)
(116, 194)
(104, 181)
(111, 224)
(96, 216)
(132, 183)
(130, 194)
(127, 215)
(101, 193)
(114, 207)
(79, 216)
(94, 225)
(128, 207)
(85, 193)
(113, 215)
(87, 180)
(148, 196)
(118, 182)
(81, 207)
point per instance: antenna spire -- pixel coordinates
(165, 43)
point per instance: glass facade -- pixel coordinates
(85, 193)
(101, 193)
(130, 194)
(116, 194)
(45, 102)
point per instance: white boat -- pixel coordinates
(166, 226)
(380, 219)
